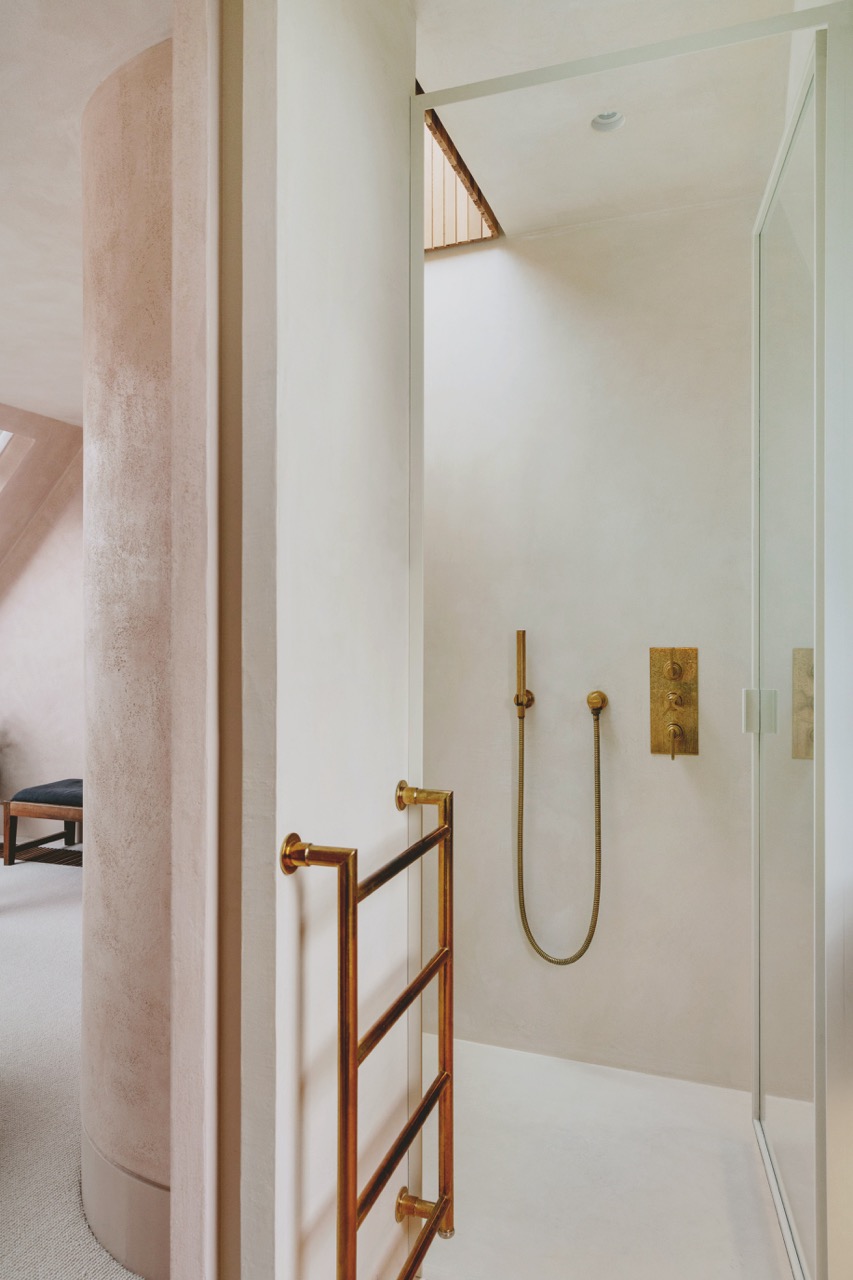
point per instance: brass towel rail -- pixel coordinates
(352, 1051)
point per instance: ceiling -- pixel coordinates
(54, 54)
(699, 128)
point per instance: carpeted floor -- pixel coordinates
(43, 1231)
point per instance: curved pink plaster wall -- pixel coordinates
(126, 898)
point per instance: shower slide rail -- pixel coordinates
(352, 1207)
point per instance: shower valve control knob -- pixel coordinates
(676, 733)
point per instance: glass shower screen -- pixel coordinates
(786, 600)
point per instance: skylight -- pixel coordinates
(456, 211)
(13, 449)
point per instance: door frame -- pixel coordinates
(194, 636)
(246, 944)
(835, 622)
(245, 1014)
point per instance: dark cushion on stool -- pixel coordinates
(68, 793)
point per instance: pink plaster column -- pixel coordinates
(127, 131)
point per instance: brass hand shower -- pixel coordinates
(523, 700)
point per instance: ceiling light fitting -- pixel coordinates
(607, 121)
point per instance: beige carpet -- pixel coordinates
(43, 1231)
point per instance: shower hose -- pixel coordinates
(596, 896)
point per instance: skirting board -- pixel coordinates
(129, 1216)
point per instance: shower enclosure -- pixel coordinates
(803, 618)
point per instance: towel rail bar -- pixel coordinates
(383, 1025)
(400, 863)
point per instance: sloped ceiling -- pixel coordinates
(698, 129)
(39, 453)
(53, 55)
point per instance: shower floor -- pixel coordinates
(566, 1171)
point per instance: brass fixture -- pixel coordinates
(523, 699)
(802, 705)
(352, 1051)
(411, 1206)
(596, 701)
(674, 701)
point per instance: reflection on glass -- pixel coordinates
(786, 560)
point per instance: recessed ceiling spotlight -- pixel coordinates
(607, 121)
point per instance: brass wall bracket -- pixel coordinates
(292, 854)
(406, 796)
(412, 1206)
(523, 699)
(674, 702)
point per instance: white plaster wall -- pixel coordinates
(588, 479)
(345, 76)
(41, 636)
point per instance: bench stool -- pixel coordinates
(53, 801)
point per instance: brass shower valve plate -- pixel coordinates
(674, 701)
(802, 717)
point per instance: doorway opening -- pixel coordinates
(588, 441)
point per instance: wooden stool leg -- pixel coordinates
(10, 835)
(70, 832)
